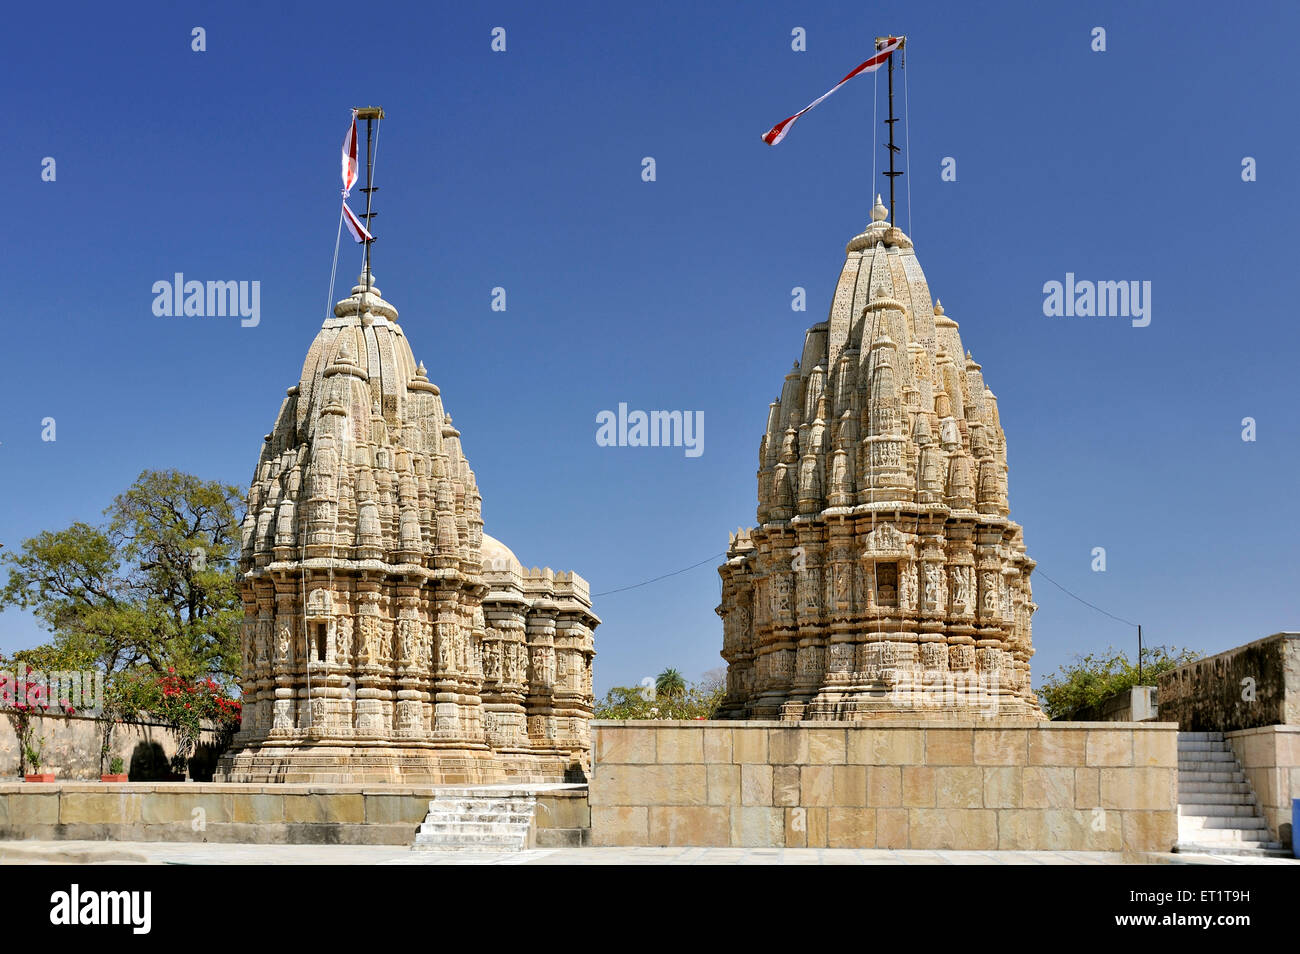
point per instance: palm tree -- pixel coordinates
(670, 683)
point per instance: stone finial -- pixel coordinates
(938, 308)
(878, 212)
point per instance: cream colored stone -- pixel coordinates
(949, 746)
(826, 746)
(918, 786)
(690, 825)
(717, 745)
(1053, 745)
(1003, 787)
(755, 784)
(885, 407)
(892, 828)
(1140, 788)
(635, 784)
(724, 784)
(1087, 787)
(970, 829)
(850, 827)
(623, 744)
(1155, 748)
(959, 787)
(900, 746)
(788, 747)
(850, 785)
(884, 786)
(785, 785)
(755, 827)
(620, 825)
(1149, 831)
(1048, 787)
(1001, 746)
(680, 745)
(816, 785)
(749, 745)
(363, 475)
(1110, 747)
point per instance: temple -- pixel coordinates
(385, 636)
(884, 578)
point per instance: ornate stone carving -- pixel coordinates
(921, 560)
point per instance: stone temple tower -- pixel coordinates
(884, 578)
(385, 636)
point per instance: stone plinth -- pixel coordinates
(892, 784)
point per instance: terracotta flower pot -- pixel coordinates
(40, 777)
(115, 778)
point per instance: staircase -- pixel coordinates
(1217, 813)
(483, 819)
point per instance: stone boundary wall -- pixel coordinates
(1270, 757)
(1210, 694)
(1101, 786)
(250, 814)
(1135, 704)
(72, 747)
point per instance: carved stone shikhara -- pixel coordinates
(884, 578)
(385, 636)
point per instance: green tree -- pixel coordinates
(1096, 677)
(152, 588)
(670, 683)
(697, 701)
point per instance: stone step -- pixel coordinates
(1200, 736)
(1263, 849)
(1230, 809)
(1222, 788)
(1221, 822)
(1241, 796)
(1196, 758)
(1200, 746)
(1234, 775)
(484, 805)
(473, 815)
(483, 819)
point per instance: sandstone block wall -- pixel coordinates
(1270, 757)
(251, 814)
(977, 786)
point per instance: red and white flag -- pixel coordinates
(359, 231)
(779, 131)
(350, 157)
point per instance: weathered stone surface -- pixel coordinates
(972, 829)
(691, 824)
(959, 787)
(883, 575)
(724, 784)
(949, 746)
(850, 827)
(378, 616)
(756, 784)
(1208, 694)
(620, 825)
(757, 827)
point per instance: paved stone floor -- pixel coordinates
(190, 853)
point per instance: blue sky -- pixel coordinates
(522, 170)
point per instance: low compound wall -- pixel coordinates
(978, 786)
(1245, 687)
(253, 814)
(72, 745)
(1270, 757)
